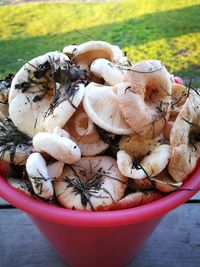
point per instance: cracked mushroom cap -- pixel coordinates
(45, 92)
(101, 105)
(85, 53)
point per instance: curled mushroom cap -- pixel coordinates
(101, 105)
(184, 139)
(151, 165)
(38, 174)
(84, 54)
(60, 148)
(83, 131)
(94, 183)
(146, 91)
(107, 70)
(15, 146)
(45, 92)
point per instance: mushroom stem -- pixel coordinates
(105, 69)
(38, 174)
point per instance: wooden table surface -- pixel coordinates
(175, 242)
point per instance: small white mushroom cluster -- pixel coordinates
(90, 127)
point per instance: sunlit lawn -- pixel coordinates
(165, 30)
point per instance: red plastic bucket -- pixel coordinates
(96, 239)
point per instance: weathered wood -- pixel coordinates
(175, 242)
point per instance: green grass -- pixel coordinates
(161, 29)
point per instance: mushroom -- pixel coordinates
(15, 146)
(150, 166)
(136, 199)
(45, 92)
(83, 131)
(107, 70)
(164, 182)
(93, 183)
(38, 174)
(146, 90)
(101, 105)
(84, 54)
(184, 139)
(60, 148)
(4, 91)
(55, 169)
(179, 96)
(61, 132)
(137, 145)
(20, 184)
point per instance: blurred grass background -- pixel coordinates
(160, 29)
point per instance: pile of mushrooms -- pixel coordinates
(89, 130)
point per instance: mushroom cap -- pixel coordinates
(164, 182)
(85, 53)
(107, 70)
(150, 165)
(60, 148)
(20, 184)
(15, 146)
(101, 105)
(94, 183)
(138, 145)
(179, 96)
(82, 130)
(38, 175)
(70, 50)
(184, 140)
(148, 75)
(136, 199)
(39, 102)
(148, 95)
(4, 92)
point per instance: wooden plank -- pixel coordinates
(175, 242)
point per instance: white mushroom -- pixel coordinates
(101, 105)
(83, 131)
(85, 53)
(94, 183)
(15, 146)
(55, 169)
(107, 70)
(38, 174)
(60, 132)
(4, 91)
(151, 165)
(45, 92)
(19, 184)
(70, 50)
(61, 148)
